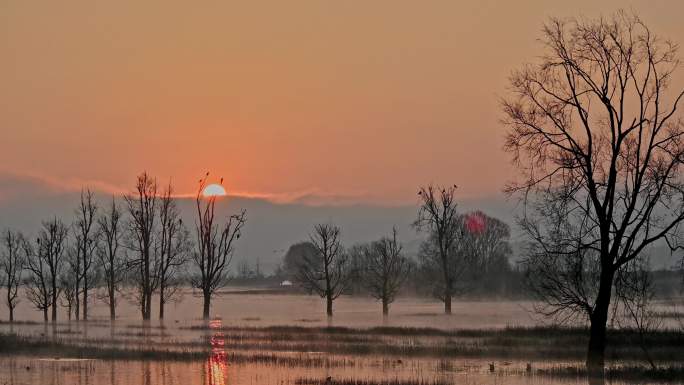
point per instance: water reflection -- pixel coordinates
(216, 371)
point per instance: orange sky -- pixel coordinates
(343, 100)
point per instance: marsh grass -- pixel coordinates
(362, 381)
(274, 342)
(11, 344)
(552, 343)
(628, 373)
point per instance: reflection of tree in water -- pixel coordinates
(216, 367)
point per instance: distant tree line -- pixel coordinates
(135, 250)
(459, 250)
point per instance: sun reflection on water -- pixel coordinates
(216, 365)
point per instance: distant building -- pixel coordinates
(286, 283)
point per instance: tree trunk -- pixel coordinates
(45, 314)
(161, 302)
(78, 289)
(143, 298)
(9, 303)
(85, 299)
(385, 307)
(147, 292)
(448, 285)
(112, 308)
(78, 303)
(148, 305)
(599, 318)
(207, 304)
(329, 305)
(54, 303)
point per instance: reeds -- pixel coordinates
(362, 381)
(630, 373)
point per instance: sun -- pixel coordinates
(214, 190)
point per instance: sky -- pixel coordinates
(318, 102)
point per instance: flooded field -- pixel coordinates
(286, 339)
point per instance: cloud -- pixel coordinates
(14, 185)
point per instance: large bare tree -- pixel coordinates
(109, 255)
(438, 217)
(384, 269)
(86, 242)
(142, 209)
(215, 243)
(173, 247)
(326, 271)
(593, 131)
(12, 262)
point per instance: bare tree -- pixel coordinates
(86, 243)
(384, 269)
(214, 250)
(593, 132)
(325, 272)
(38, 288)
(142, 209)
(70, 280)
(45, 264)
(109, 256)
(438, 216)
(12, 262)
(485, 240)
(67, 282)
(173, 248)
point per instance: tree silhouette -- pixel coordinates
(214, 251)
(594, 135)
(12, 262)
(173, 247)
(109, 256)
(438, 216)
(45, 264)
(142, 209)
(384, 269)
(326, 271)
(86, 243)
